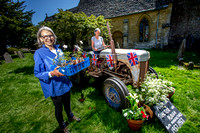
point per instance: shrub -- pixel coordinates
(12, 49)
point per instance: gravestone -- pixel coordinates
(170, 116)
(20, 54)
(7, 57)
(181, 49)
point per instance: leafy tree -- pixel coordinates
(14, 23)
(73, 27)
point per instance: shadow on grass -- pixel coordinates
(27, 70)
(58, 129)
(167, 58)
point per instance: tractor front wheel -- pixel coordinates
(115, 93)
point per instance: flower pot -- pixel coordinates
(147, 109)
(170, 94)
(135, 124)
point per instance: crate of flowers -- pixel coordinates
(70, 65)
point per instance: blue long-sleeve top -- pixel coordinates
(54, 86)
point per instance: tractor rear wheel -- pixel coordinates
(151, 70)
(115, 93)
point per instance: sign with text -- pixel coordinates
(170, 116)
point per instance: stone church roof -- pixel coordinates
(115, 8)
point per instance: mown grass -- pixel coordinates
(23, 107)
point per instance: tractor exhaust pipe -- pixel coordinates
(112, 46)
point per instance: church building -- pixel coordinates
(136, 23)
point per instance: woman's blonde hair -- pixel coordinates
(39, 34)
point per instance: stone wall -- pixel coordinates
(152, 17)
(185, 23)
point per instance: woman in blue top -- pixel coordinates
(54, 84)
(97, 42)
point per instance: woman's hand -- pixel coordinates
(56, 73)
(107, 46)
(95, 49)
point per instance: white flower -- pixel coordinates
(61, 53)
(81, 42)
(143, 90)
(130, 95)
(125, 114)
(137, 90)
(137, 101)
(64, 46)
(131, 111)
(135, 96)
(58, 50)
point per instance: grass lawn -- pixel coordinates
(23, 107)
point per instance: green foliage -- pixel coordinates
(11, 50)
(134, 112)
(14, 22)
(70, 27)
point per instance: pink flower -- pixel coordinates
(147, 116)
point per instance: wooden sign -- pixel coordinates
(170, 116)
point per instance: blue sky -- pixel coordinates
(41, 7)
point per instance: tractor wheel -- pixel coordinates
(115, 93)
(151, 70)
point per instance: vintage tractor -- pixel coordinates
(122, 67)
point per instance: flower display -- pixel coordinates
(134, 112)
(153, 91)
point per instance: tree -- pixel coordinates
(14, 23)
(73, 27)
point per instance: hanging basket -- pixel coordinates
(135, 124)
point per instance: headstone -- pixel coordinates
(15, 52)
(7, 57)
(170, 116)
(20, 54)
(181, 49)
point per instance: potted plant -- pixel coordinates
(154, 91)
(135, 114)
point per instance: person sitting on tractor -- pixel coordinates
(97, 42)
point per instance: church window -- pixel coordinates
(144, 30)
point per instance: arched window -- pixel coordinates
(144, 30)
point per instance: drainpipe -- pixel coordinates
(157, 28)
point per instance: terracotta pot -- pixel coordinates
(170, 95)
(135, 124)
(147, 109)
